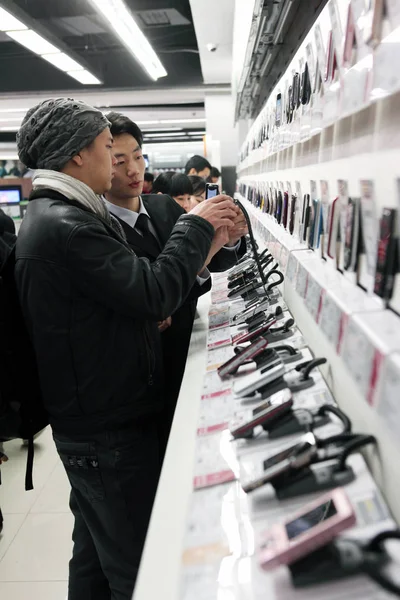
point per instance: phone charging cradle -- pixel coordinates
(295, 423)
(316, 478)
(339, 559)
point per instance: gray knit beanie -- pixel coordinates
(55, 130)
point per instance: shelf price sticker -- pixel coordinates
(388, 404)
(359, 355)
(330, 319)
(291, 271)
(313, 297)
(215, 461)
(302, 281)
(219, 337)
(218, 317)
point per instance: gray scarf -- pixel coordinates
(73, 189)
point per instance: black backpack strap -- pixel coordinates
(29, 465)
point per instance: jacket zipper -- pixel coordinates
(149, 354)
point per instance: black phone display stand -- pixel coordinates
(294, 423)
(323, 476)
(338, 559)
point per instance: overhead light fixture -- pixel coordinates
(37, 44)
(33, 41)
(63, 62)
(196, 132)
(12, 110)
(9, 23)
(162, 129)
(10, 128)
(84, 77)
(182, 121)
(167, 135)
(126, 28)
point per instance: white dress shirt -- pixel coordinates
(130, 217)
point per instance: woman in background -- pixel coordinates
(176, 185)
(199, 190)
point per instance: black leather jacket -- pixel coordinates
(91, 306)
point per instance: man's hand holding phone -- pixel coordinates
(219, 211)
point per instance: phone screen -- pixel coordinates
(211, 191)
(278, 115)
(311, 519)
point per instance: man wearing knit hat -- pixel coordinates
(92, 308)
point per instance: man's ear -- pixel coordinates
(77, 159)
(192, 171)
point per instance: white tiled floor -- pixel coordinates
(35, 545)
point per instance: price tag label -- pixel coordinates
(313, 297)
(218, 356)
(214, 386)
(291, 271)
(384, 76)
(284, 259)
(358, 354)
(370, 233)
(319, 44)
(330, 319)
(218, 318)
(389, 405)
(219, 337)
(301, 281)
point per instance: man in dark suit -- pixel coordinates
(147, 222)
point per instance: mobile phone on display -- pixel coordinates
(285, 209)
(305, 86)
(246, 385)
(248, 336)
(295, 456)
(248, 354)
(385, 264)
(265, 413)
(334, 214)
(278, 110)
(310, 528)
(296, 91)
(352, 229)
(292, 214)
(211, 190)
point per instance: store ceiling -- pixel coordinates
(166, 23)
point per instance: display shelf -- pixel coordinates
(357, 336)
(203, 543)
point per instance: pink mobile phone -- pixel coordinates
(315, 525)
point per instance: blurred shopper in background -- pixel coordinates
(214, 175)
(3, 169)
(91, 307)
(198, 165)
(148, 183)
(176, 185)
(199, 190)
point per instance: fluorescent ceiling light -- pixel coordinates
(84, 77)
(39, 45)
(161, 135)
(63, 61)
(172, 121)
(163, 129)
(10, 128)
(126, 28)
(33, 41)
(196, 132)
(8, 119)
(11, 110)
(183, 121)
(9, 23)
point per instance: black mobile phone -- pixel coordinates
(285, 209)
(305, 94)
(278, 112)
(292, 214)
(279, 205)
(211, 190)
